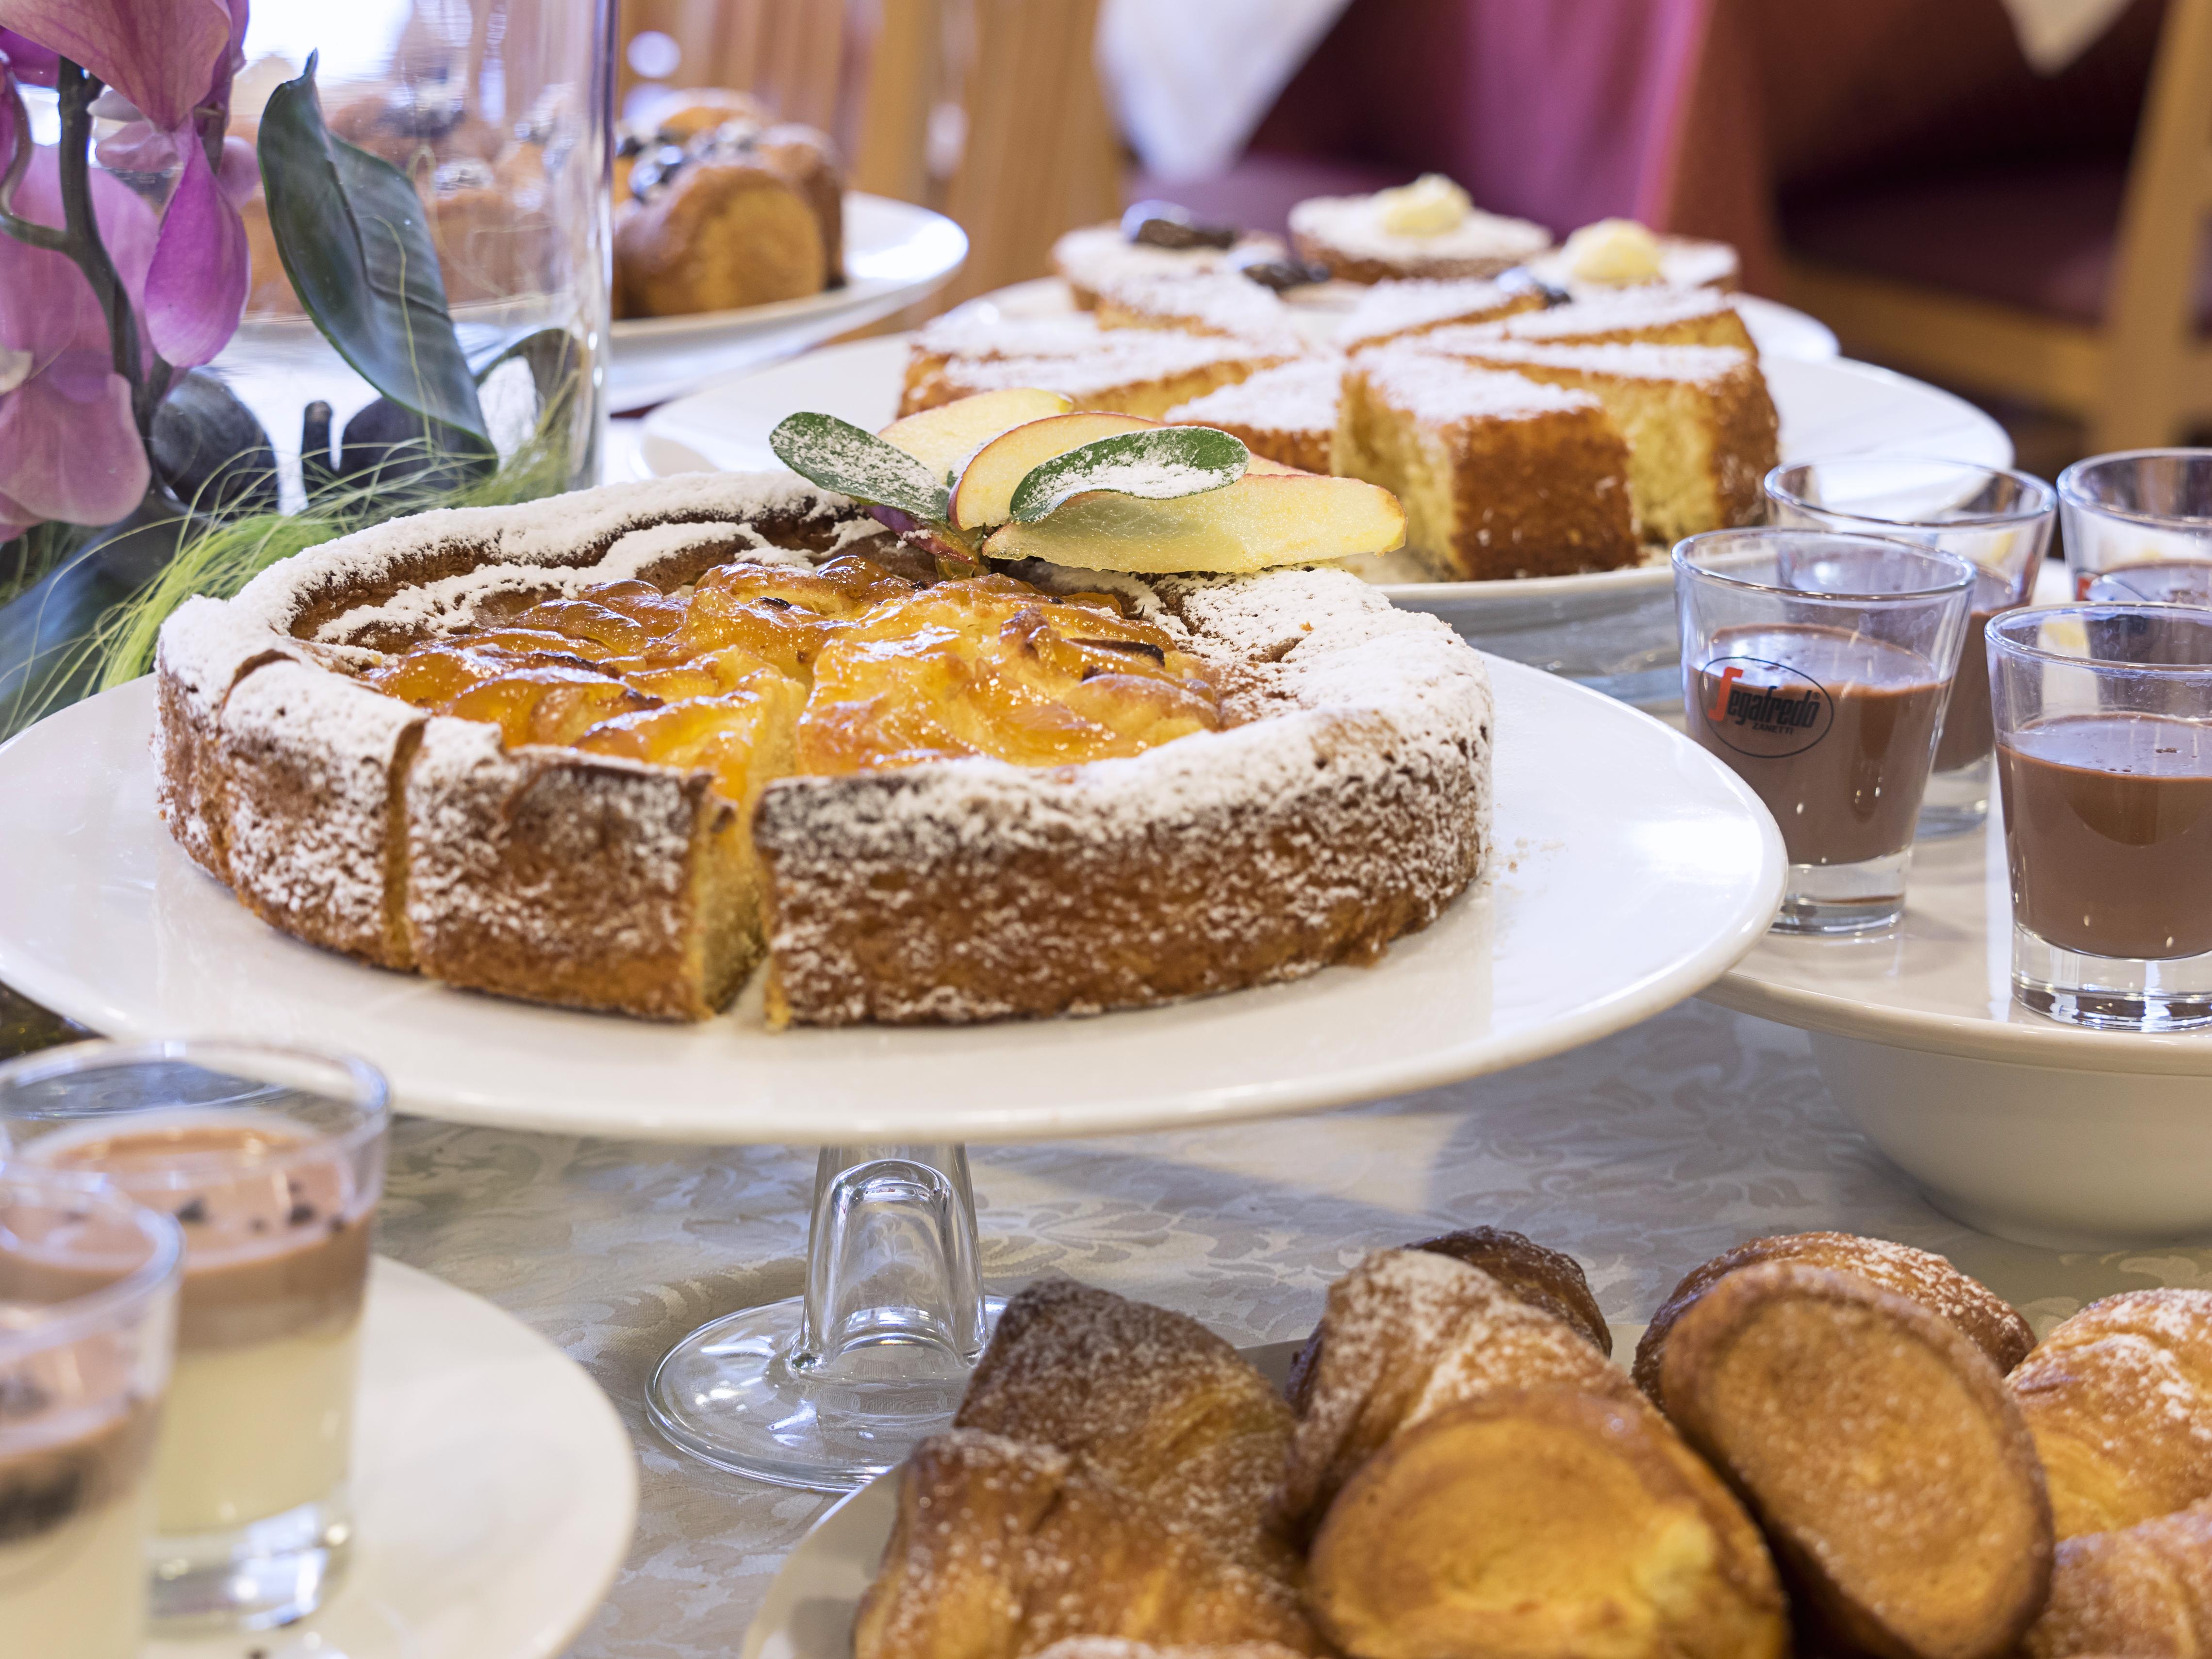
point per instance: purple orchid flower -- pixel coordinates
(173, 60)
(68, 447)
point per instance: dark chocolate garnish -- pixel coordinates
(194, 1213)
(300, 1214)
(1279, 274)
(1170, 225)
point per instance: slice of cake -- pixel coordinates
(1090, 258)
(1426, 228)
(980, 335)
(1499, 476)
(1131, 371)
(1223, 304)
(1287, 414)
(1700, 428)
(1657, 314)
(1391, 311)
(1617, 252)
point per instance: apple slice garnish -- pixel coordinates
(943, 439)
(1264, 519)
(985, 495)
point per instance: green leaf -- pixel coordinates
(1157, 464)
(351, 233)
(840, 456)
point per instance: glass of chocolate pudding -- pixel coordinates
(1817, 665)
(271, 1161)
(88, 1317)
(2103, 721)
(2138, 510)
(1998, 521)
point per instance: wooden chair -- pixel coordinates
(989, 111)
(2140, 374)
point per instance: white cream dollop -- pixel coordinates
(1430, 206)
(1614, 251)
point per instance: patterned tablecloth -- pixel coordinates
(1643, 1155)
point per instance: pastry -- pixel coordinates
(1128, 371)
(1149, 1400)
(1096, 256)
(1659, 316)
(1701, 429)
(1542, 1522)
(1880, 1451)
(2119, 1400)
(1224, 306)
(1003, 1547)
(1427, 229)
(1288, 414)
(1547, 1280)
(1396, 310)
(1500, 477)
(2145, 1591)
(1980, 1315)
(641, 858)
(1407, 1335)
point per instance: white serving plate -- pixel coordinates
(1632, 870)
(494, 1487)
(896, 253)
(1611, 629)
(2033, 1130)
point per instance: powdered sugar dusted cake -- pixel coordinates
(1130, 371)
(1391, 311)
(1286, 414)
(1320, 783)
(1090, 258)
(1350, 234)
(1656, 314)
(1225, 304)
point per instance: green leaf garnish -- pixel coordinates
(1157, 464)
(840, 456)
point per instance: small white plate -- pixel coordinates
(896, 253)
(2045, 1132)
(1630, 870)
(494, 1487)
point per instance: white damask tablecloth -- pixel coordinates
(1643, 1155)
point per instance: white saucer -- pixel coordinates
(2033, 1130)
(1633, 869)
(495, 1491)
(894, 254)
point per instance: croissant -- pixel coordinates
(2145, 1590)
(1984, 1317)
(1002, 1548)
(1405, 1335)
(1540, 1522)
(1880, 1451)
(2119, 1401)
(1545, 1279)
(1145, 1399)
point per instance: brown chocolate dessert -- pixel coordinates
(2108, 833)
(1833, 731)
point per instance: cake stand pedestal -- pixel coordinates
(1629, 869)
(2037, 1132)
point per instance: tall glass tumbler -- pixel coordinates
(2138, 509)
(1998, 521)
(1817, 666)
(2104, 716)
(272, 1161)
(88, 1319)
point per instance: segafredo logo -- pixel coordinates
(1765, 708)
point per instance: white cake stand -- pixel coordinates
(2037, 1132)
(1630, 870)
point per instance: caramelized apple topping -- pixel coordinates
(763, 669)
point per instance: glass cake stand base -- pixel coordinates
(831, 1388)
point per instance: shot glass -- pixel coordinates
(2153, 584)
(87, 1318)
(2140, 508)
(2104, 718)
(1998, 521)
(1817, 666)
(271, 1161)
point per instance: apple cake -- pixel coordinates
(1286, 414)
(610, 751)
(1659, 316)
(1426, 228)
(1127, 370)
(1225, 306)
(1091, 256)
(1500, 476)
(1392, 311)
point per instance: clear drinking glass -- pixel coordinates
(1817, 666)
(2104, 718)
(273, 1161)
(2153, 584)
(1998, 521)
(2139, 507)
(87, 1318)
